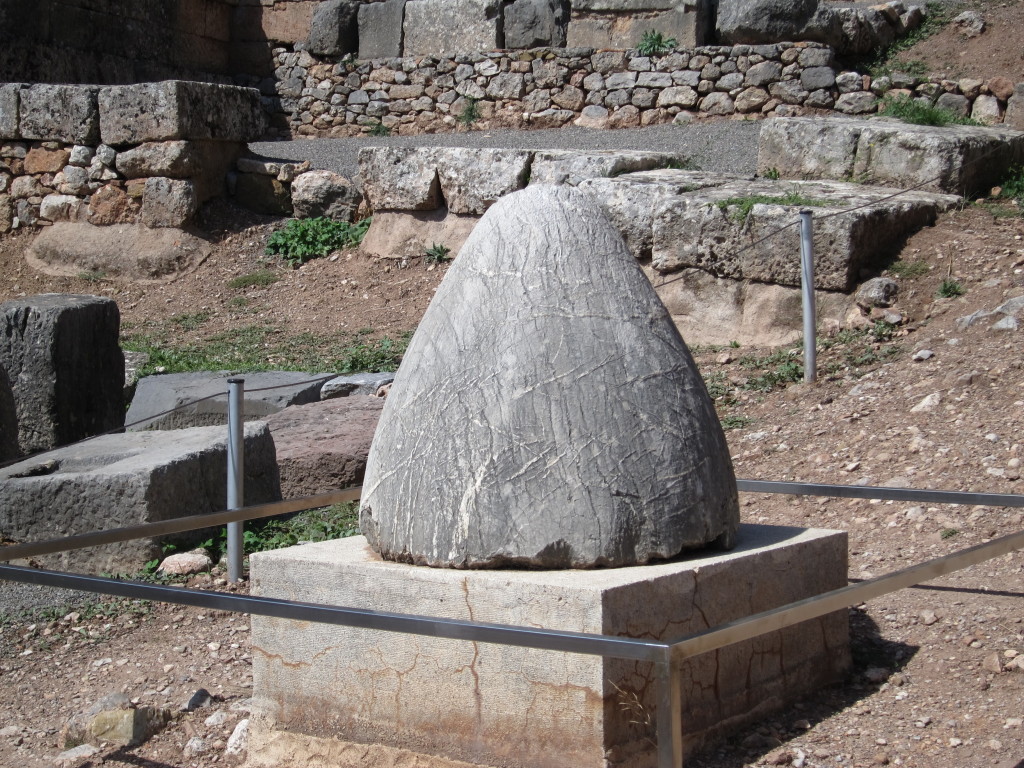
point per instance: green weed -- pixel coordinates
(772, 174)
(438, 253)
(323, 524)
(305, 239)
(950, 288)
(95, 276)
(262, 277)
(908, 269)
(379, 130)
(190, 321)
(734, 421)
(654, 44)
(938, 15)
(948, 533)
(777, 370)
(470, 112)
(744, 205)
(910, 110)
(1012, 187)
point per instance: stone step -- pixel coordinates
(958, 158)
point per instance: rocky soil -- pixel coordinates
(927, 404)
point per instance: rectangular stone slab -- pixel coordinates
(960, 159)
(127, 479)
(444, 27)
(514, 707)
(59, 113)
(706, 229)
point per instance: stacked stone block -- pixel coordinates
(150, 152)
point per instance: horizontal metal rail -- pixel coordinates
(818, 605)
(525, 637)
(882, 492)
(177, 525)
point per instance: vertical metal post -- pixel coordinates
(807, 288)
(670, 715)
(236, 473)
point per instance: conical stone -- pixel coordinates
(547, 413)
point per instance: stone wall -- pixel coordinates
(545, 88)
(119, 154)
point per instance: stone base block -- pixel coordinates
(620, 25)
(447, 27)
(957, 158)
(318, 687)
(126, 479)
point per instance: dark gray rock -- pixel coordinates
(380, 29)
(9, 110)
(178, 109)
(156, 394)
(8, 419)
(878, 292)
(762, 21)
(536, 23)
(541, 420)
(324, 193)
(65, 113)
(64, 365)
(334, 29)
(125, 479)
(356, 384)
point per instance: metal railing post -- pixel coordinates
(670, 714)
(236, 473)
(807, 290)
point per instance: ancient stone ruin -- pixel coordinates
(580, 433)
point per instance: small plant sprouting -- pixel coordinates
(380, 130)
(262, 277)
(772, 174)
(913, 111)
(744, 205)
(96, 276)
(654, 44)
(948, 533)
(950, 288)
(908, 269)
(305, 239)
(470, 112)
(438, 253)
(189, 321)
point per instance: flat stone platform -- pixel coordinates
(338, 696)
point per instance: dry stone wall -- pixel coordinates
(552, 87)
(121, 154)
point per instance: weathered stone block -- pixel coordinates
(323, 446)
(168, 202)
(958, 158)
(65, 113)
(263, 194)
(536, 23)
(173, 159)
(65, 367)
(524, 708)
(380, 29)
(400, 178)
(1014, 116)
(442, 27)
(324, 193)
(763, 21)
(635, 456)
(688, 23)
(709, 229)
(156, 394)
(573, 167)
(125, 479)
(334, 29)
(178, 109)
(9, 110)
(286, 22)
(8, 419)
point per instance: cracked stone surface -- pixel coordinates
(547, 412)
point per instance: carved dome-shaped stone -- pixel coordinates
(547, 412)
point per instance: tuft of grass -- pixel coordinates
(744, 205)
(948, 533)
(772, 174)
(655, 44)
(190, 321)
(303, 239)
(918, 113)
(261, 277)
(908, 269)
(94, 276)
(470, 112)
(380, 130)
(1012, 187)
(735, 421)
(950, 288)
(438, 253)
(937, 16)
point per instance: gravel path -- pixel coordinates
(723, 146)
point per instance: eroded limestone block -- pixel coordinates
(573, 167)
(9, 110)
(125, 479)
(614, 24)
(536, 23)
(958, 158)
(168, 202)
(380, 29)
(762, 21)
(179, 109)
(443, 27)
(64, 365)
(324, 193)
(65, 113)
(333, 30)
(173, 159)
(581, 433)
(712, 229)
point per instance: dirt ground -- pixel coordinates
(935, 682)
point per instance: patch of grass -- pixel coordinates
(744, 205)
(303, 239)
(908, 269)
(735, 421)
(913, 111)
(950, 288)
(682, 164)
(771, 174)
(654, 43)
(938, 15)
(380, 130)
(438, 253)
(265, 347)
(470, 112)
(238, 302)
(190, 321)
(261, 277)
(1012, 187)
(95, 276)
(777, 369)
(948, 533)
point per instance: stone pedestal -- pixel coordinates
(322, 691)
